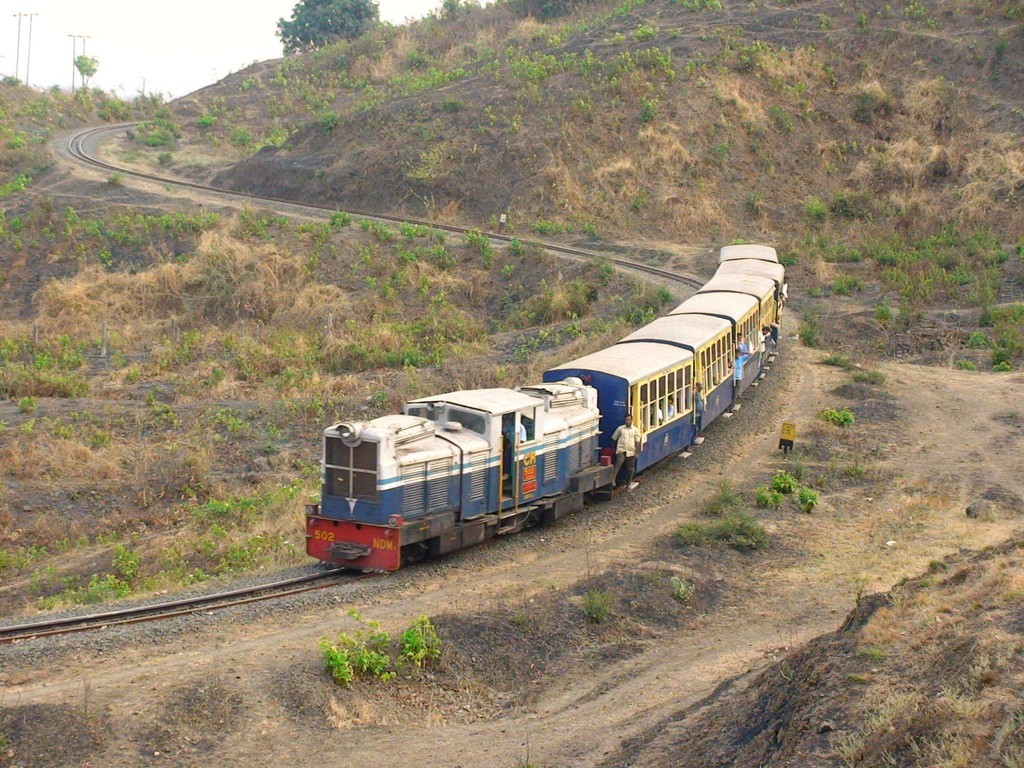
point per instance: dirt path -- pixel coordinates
(956, 440)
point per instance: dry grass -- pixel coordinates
(662, 148)
(995, 170)
(734, 93)
(227, 280)
(60, 461)
(934, 103)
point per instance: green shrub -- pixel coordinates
(597, 605)
(682, 590)
(1002, 367)
(841, 417)
(979, 340)
(27, 404)
(329, 121)
(783, 482)
(364, 652)
(644, 33)
(126, 562)
(340, 219)
(965, 365)
(1000, 355)
(807, 498)
(810, 330)
(738, 530)
(837, 360)
(725, 500)
(869, 377)
(815, 210)
(846, 285)
(420, 643)
(768, 497)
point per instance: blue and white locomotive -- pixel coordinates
(459, 468)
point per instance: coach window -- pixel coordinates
(668, 395)
(645, 407)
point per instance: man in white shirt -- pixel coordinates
(627, 444)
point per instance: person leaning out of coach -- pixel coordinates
(627, 444)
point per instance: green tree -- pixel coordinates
(86, 66)
(316, 23)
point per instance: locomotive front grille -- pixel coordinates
(350, 472)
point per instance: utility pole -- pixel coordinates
(74, 55)
(28, 58)
(17, 48)
(74, 42)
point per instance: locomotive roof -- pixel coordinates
(751, 285)
(495, 401)
(752, 267)
(759, 252)
(631, 362)
(730, 305)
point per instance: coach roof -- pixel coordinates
(684, 331)
(729, 305)
(752, 267)
(630, 362)
(759, 252)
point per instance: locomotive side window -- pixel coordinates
(529, 421)
(351, 473)
(427, 411)
(471, 420)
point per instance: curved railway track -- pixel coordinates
(172, 608)
(78, 150)
(183, 607)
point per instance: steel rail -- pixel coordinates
(172, 608)
(76, 147)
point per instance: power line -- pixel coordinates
(17, 56)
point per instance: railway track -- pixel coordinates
(186, 606)
(183, 607)
(78, 150)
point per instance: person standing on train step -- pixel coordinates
(698, 407)
(627, 444)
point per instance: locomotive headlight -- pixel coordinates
(349, 432)
(396, 521)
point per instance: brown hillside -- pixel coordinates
(698, 125)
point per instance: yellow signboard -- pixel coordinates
(788, 431)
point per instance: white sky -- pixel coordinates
(175, 47)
